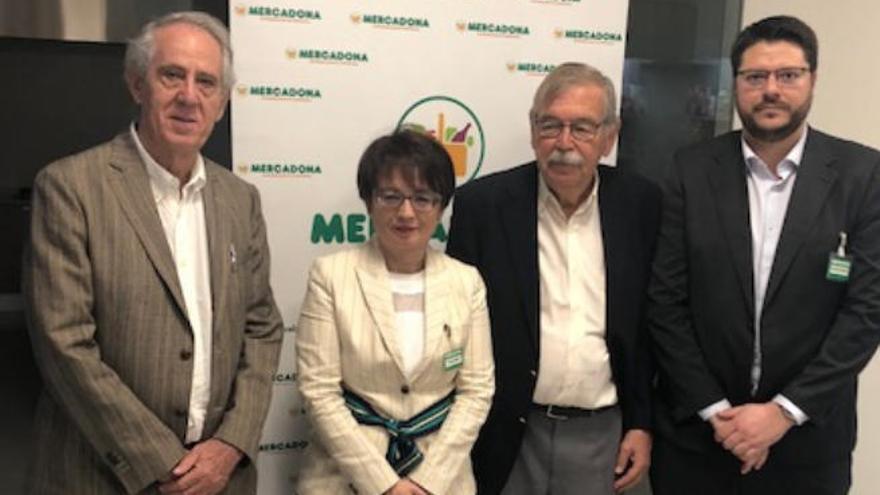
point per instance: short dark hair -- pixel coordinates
(415, 155)
(777, 28)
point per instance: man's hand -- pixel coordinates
(204, 470)
(723, 427)
(754, 460)
(633, 459)
(406, 486)
(758, 426)
(750, 430)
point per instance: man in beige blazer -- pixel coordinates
(147, 289)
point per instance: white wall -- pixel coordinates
(846, 104)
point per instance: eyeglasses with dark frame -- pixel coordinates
(422, 201)
(580, 130)
(786, 76)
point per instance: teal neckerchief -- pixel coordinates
(402, 454)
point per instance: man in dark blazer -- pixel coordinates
(765, 299)
(564, 246)
(146, 280)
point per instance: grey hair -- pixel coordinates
(571, 74)
(140, 49)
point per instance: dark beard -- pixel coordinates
(777, 134)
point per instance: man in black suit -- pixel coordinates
(564, 246)
(765, 300)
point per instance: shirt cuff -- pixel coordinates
(707, 412)
(797, 415)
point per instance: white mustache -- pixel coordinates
(570, 157)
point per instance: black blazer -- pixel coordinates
(816, 334)
(494, 227)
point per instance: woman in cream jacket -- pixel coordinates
(393, 345)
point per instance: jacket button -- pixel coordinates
(533, 372)
(113, 458)
(404, 389)
(522, 420)
(180, 413)
(185, 354)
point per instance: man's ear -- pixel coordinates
(609, 136)
(135, 87)
(223, 108)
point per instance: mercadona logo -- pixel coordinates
(455, 126)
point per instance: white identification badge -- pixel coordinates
(839, 264)
(453, 359)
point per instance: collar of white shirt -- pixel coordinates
(546, 198)
(786, 167)
(164, 183)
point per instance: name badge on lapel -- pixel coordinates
(453, 359)
(839, 264)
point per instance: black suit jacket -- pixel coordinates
(816, 334)
(494, 227)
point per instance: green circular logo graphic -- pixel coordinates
(455, 127)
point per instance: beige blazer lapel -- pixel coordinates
(222, 253)
(437, 311)
(373, 280)
(131, 185)
(222, 260)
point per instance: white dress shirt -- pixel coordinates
(182, 212)
(574, 366)
(769, 194)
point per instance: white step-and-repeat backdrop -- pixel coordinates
(319, 80)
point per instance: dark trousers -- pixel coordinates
(676, 471)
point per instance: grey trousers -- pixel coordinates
(567, 456)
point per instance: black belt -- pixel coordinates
(565, 412)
